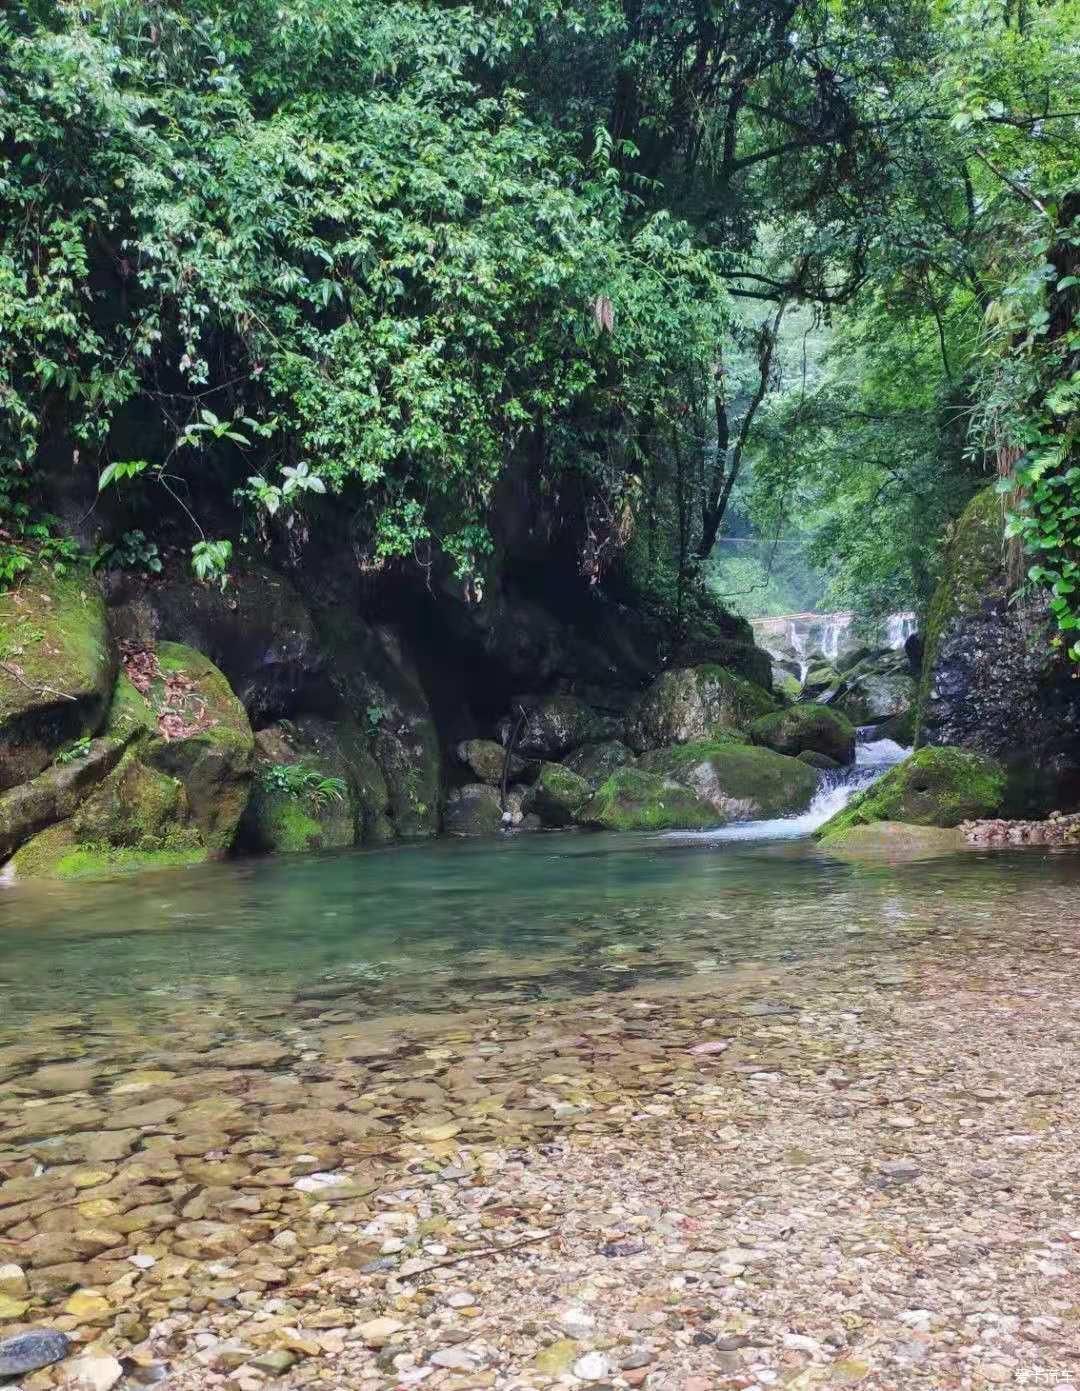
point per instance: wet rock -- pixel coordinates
(487, 760)
(473, 810)
(634, 800)
(934, 787)
(694, 704)
(594, 1366)
(553, 726)
(807, 728)
(93, 1373)
(739, 782)
(595, 762)
(557, 795)
(26, 1352)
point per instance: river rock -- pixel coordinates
(473, 810)
(892, 842)
(557, 795)
(93, 1373)
(552, 726)
(632, 799)
(26, 1352)
(487, 760)
(738, 781)
(692, 704)
(807, 728)
(595, 762)
(934, 787)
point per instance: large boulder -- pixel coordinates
(552, 726)
(807, 728)
(877, 690)
(57, 666)
(634, 800)
(739, 782)
(691, 704)
(595, 762)
(181, 782)
(316, 788)
(992, 679)
(473, 810)
(486, 760)
(557, 795)
(934, 787)
(56, 793)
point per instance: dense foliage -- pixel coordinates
(276, 265)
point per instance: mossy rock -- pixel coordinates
(137, 807)
(595, 762)
(473, 810)
(553, 726)
(739, 782)
(820, 679)
(632, 799)
(821, 761)
(56, 853)
(557, 796)
(934, 787)
(55, 794)
(807, 728)
(692, 704)
(892, 842)
(57, 664)
(281, 822)
(872, 697)
(486, 760)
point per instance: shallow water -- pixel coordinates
(449, 926)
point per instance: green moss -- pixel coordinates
(56, 854)
(973, 566)
(739, 781)
(695, 703)
(634, 800)
(54, 629)
(557, 795)
(293, 828)
(934, 787)
(803, 728)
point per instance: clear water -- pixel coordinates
(445, 927)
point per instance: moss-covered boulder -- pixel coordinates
(693, 704)
(57, 853)
(304, 795)
(803, 728)
(182, 779)
(473, 810)
(553, 725)
(557, 796)
(55, 794)
(871, 696)
(934, 787)
(820, 680)
(821, 761)
(595, 762)
(632, 799)
(891, 842)
(739, 782)
(486, 760)
(57, 666)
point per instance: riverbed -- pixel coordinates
(250, 1110)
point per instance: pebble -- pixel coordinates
(93, 1373)
(26, 1352)
(594, 1366)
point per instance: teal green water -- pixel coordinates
(448, 926)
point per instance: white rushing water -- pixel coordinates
(872, 758)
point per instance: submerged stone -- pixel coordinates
(26, 1352)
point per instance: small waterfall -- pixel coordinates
(898, 628)
(872, 758)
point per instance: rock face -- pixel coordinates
(739, 782)
(57, 664)
(632, 799)
(807, 729)
(877, 689)
(486, 759)
(693, 704)
(934, 787)
(991, 679)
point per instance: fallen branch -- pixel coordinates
(13, 671)
(487, 1251)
